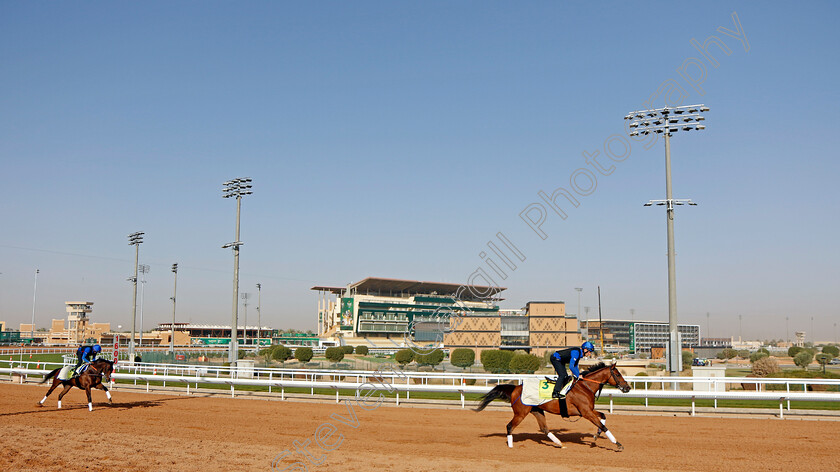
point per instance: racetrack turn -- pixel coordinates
(151, 432)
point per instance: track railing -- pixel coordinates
(401, 382)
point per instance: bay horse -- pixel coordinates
(580, 401)
(98, 372)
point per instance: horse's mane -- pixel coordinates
(594, 368)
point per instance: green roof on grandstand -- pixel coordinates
(396, 287)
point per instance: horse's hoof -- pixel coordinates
(620, 447)
(41, 405)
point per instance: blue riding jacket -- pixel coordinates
(571, 357)
(86, 354)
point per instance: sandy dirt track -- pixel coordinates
(150, 432)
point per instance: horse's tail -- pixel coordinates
(50, 375)
(503, 391)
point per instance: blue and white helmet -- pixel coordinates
(588, 346)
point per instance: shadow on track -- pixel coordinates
(583, 439)
(105, 406)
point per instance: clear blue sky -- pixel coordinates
(395, 139)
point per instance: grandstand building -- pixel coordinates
(393, 313)
(212, 335)
(638, 336)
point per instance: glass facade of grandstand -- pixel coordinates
(388, 313)
(639, 336)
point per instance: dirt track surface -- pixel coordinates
(149, 432)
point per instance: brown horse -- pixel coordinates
(97, 373)
(580, 401)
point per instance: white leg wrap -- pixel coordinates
(510, 440)
(59, 403)
(603, 421)
(609, 435)
(554, 439)
(43, 400)
(108, 394)
(90, 406)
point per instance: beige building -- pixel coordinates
(77, 328)
(542, 327)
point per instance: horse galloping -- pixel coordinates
(580, 401)
(98, 372)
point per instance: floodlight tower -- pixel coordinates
(259, 313)
(144, 269)
(245, 297)
(666, 121)
(236, 188)
(174, 292)
(134, 239)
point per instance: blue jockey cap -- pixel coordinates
(97, 348)
(588, 345)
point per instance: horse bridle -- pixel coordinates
(613, 371)
(101, 374)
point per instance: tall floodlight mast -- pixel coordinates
(667, 121)
(236, 188)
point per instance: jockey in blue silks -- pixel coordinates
(86, 355)
(572, 357)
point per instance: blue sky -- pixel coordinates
(394, 140)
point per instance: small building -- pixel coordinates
(638, 337)
(77, 328)
(210, 335)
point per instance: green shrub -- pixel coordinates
(758, 355)
(334, 354)
(832, 351)
(347, 349)
(281, 353)
(404, 356)
(431, 358)
(303, 354)
(727, 353)
(823, 358)
(642, 374)
(524, 364)
(764, 366)
(744, 354)
(363, 350)
(794, 350)
(803, 358)
(241, 354)
(687, 357)
(462, 357)
(496, 361)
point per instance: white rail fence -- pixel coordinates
(400, 382)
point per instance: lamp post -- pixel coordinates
(667, 121)
(235, 188)
(245, 296)
(588, 327)
(143, 269)
(134, 239)
(259, 313)
(174, 292)
(34, 297)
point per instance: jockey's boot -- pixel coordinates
(562, 393)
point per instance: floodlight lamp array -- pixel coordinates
(237, 187)
(135, 238)
(666, 120)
